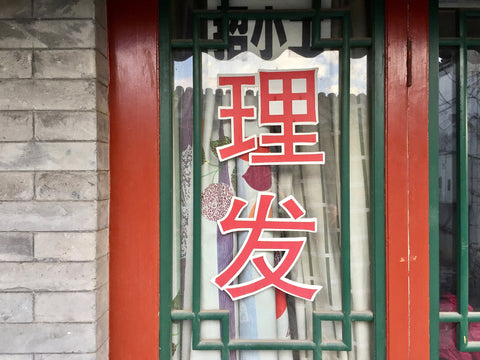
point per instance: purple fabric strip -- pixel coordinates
(225, 247)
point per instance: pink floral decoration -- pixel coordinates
(216, 200)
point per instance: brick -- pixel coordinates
(66, 357)
(66, 185)
(102, 98)
(102, 243)
(48, 216)
(102, 214)
(101, 13)
(15, 9)
(16, 186)
(14, 35)
(16, 125)
(16, 246)
(47, 95)
(102, 70)
(31, 276)
(65, 307)
(47, 156)
(103, 154)
(65, 246)
(101, 41)
(101, 300)
(102, 329)
(65, 125)
(16, 357)
(47, 34)
(73, 9)
(103, 131)
(15, 64)
(103, 185)
(73, 64)
(16, 308)
(102, 271)
(102, 353)
(33, 338)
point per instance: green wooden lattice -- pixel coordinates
(376, 70)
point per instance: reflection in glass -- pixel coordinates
(473, 113)
(449, 21)
(447, 170)
(473, 26)
(447, 173)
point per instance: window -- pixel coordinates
(274, 119)
(458, 180)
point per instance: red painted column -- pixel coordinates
(134, 174)
(418, 181)
(407, 179)
(396, 172)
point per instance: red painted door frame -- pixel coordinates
(134, 179)
(406, 183)
(134, 159)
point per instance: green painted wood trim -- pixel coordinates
(377, 171)
(344, 72)
(197, 183)
(166, 196)
(451, 316)
(433, 179)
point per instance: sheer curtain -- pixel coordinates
(271, 314)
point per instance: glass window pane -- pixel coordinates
(458, 3)
(182, 19)
(473, 113)
(182, 119)
(360, 205)
(473, 27)
(447, 169)
(271, 313)
(449, 23)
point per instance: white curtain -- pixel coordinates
(270, 314)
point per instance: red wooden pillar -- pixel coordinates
(134, 174)
(406, 107)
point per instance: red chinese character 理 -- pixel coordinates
(270, 276)
(237, 113)
(288, 98)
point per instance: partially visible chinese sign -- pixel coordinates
(265, 38)
(271, 276)
(287, 98)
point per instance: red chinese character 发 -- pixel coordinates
(288, 98)
(270, 276)
(237, 113)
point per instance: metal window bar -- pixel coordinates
(463, 317)
(225, 345)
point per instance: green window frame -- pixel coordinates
(376, 69)
(462, 317)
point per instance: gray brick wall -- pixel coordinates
(54, 181)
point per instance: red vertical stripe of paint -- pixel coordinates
(396, 168)
(134, 159)
(418, 181)
(407, 180)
